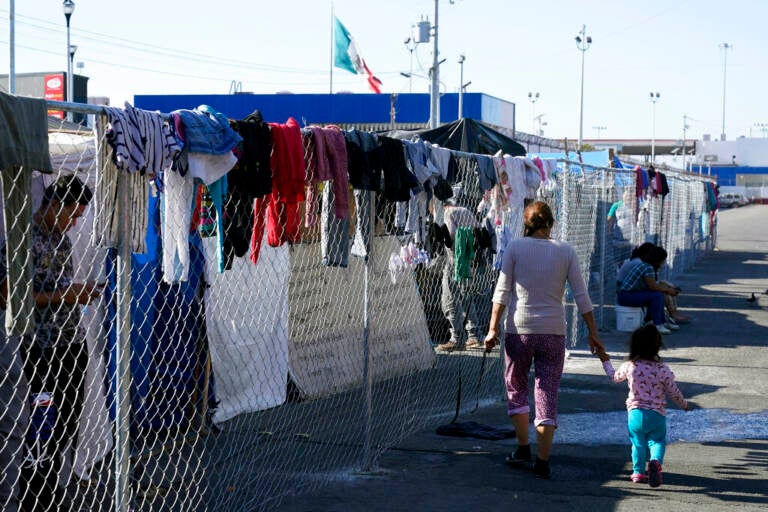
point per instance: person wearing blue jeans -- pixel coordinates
(637, 286)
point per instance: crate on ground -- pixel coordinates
(628, 319)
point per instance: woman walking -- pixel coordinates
(534, 272)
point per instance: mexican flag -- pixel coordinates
(347, 56)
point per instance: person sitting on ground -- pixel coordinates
(637, 286)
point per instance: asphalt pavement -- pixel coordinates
(717, 456)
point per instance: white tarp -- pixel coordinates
(246, 318)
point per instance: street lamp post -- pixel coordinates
(654, 98)
(533, 97)
(583, 42)
(599, 129)
(462, 58)
(69, 8)
(725, 47)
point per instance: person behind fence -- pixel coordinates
(636, 284)
(458, 299)
(619, 222)
(534, 272)
(649, 381)
(54, 355)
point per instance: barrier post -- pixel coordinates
(122, 498)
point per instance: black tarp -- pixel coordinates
(466, 135)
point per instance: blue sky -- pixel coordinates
(511, 48)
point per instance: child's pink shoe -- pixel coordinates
(639, 478)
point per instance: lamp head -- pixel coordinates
(589, 39)
(578, 39)
(69, 7)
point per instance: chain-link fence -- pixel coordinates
(271, 367)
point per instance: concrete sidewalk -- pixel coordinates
(717, 458)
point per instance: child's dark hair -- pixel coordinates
(645, 343)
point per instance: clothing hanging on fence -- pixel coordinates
(141, 141)
(664, 184)
(443, 160)
(334, 232)
(325, 158)
(288, 174)
(420, 163)
(398, 178)
(202, 130)
(24, 125)
(176, 205)
(361, 245)
(20, 303)
(365, 160)
(417, 217)
(464, 253)
(278, 212)
(486, 173)
(23, 147)
(105, 198)
(251, 177)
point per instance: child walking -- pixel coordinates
(650, 381)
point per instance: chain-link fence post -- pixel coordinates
(122, 353)
(367, 352)
(603, 241)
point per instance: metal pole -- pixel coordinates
(69, 71)
(434, 89)
(685, 127)
(12, 44)
(367, 353)
(122, 354)
(603, 249)
(461, 87)
(333, 46)
(653, 127)
(581, 104)
(725, 47)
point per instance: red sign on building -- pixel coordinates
(54, 90)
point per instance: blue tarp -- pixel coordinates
(594, 158)
(165, 330)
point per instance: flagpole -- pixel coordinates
(333, 27)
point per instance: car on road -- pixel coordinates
(731, 200)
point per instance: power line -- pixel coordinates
(144, 48)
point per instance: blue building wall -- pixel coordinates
(726, 175)
(339, 108)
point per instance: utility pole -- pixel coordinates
(434, 90)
